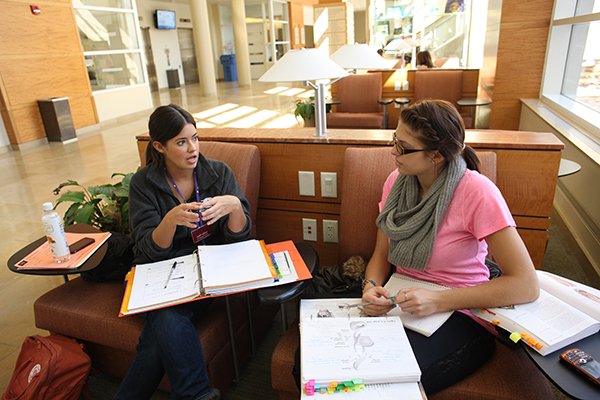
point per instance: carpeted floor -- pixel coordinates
(563, 257)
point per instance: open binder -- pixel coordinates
(211, 271)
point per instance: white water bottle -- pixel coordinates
(55, 233)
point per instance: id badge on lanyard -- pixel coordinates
(203, 231)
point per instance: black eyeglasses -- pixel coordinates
(401, 150)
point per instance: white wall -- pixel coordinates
(3, 135)
(123, 101)
(164, 40)
(576, 199)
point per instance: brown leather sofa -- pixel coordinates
(510, 374)
(88, 311)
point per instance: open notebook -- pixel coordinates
(426, 326)
(341, 346)
(212, 270)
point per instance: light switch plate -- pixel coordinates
(306, 183)
(328, 184)
(397, 85)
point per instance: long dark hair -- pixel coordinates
(440, 127)
(164, 124)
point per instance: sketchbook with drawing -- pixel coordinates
(426, 326)
(565, 312)
(339, 344)
(211, 270)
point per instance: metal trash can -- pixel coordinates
(173, 78)
(229, 67)
(57, 118)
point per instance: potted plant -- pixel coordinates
(105, 207)
(305, 108)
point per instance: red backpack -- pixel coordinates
(53, 367)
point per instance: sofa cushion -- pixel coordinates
(355, 120)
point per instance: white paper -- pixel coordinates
(233, 264)
(337, 346)
(150, 280)
(578, 295)
(424, 325)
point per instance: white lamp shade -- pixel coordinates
(359, 56)
(303, 65)
(397, 45)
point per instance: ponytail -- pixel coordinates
(153, 156)
(471, 158)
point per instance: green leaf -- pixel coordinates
(71, 213)
(120, 192)
(85, 214)
(57, 190)
(75, 197)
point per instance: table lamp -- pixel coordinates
(361, 56)
(307, 65)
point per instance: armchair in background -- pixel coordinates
(439, 84)
(361, 103)
(510, 374)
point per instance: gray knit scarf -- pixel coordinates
(412, 225)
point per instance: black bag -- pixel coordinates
(336, 281)
(117, 261)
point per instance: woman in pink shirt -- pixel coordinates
(439, 219)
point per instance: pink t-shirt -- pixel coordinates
(477, 210)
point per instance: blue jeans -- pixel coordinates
(168, 343)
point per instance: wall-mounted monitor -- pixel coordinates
(165, 19)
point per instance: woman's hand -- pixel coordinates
(220, 206)
(379, 301)
(418, 302)
(185, 214)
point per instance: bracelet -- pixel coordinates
(365, 281)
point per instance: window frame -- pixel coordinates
(585, 118)
(137, 51)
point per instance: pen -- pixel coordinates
(366, 303)
(286, 260)
(170, 273)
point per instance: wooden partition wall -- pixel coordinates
(527, 169)
(524, 27)
(40, 57)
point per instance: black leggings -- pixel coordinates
(454, 351)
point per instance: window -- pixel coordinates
(571, 85)
(111, 46)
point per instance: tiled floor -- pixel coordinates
(29, 175)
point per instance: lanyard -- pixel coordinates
(197, 189)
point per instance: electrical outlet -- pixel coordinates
(309, 229)
(330, 231)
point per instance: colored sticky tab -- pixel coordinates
(357, 381)
(495, 322)
(538, 346)
(515, 337)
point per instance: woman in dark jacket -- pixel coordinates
(178, 201)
